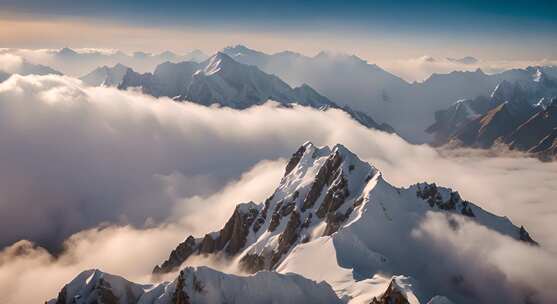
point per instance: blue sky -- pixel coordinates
(485, 25)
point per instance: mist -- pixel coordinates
(117, 171)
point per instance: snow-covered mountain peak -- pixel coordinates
(332, 217)
(217, 62)
(106, 76)
(240, 50)
(95, 286)
(200, 285)
(330, 203)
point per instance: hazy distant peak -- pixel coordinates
(67, 51)
(241, 50)
(464, 60)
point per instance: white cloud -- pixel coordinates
(10, 63)
(419, 69)
(74, 157)
(494, 266)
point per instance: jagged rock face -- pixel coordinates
(230, 239)
(321, 191)
(391, 296)
(546, 149)
(508, 117)
(96, 287)
(177, 256)
(430, 193)
(529, 134)
(180, 296)
(332, 182)
(294, 160)
(331, 217)
(203, 285)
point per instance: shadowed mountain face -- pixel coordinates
(510, 116)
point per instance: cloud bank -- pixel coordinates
(77, 158)
(421, 68)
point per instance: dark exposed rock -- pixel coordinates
(451, 203)
(324, 176)
(334, 220)
(177, 256)
(231, 238)
(525, 236)
(105, 293)
(287, 237)
(307, 221)
(466, 210)
(197, 284)
(287, 208)
(180, 296)
(294, 160)
(252, 263)
(62, 296)
(262, 215)
(431, 194)
(334, 198)
(275, 218)
(207, 245)
(235, 231)
(391, 296)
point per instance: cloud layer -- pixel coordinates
(75, 157)
(420, 68)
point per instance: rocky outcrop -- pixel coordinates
(287, 237)
(230, 239)
(518, 117)
(430, 193)
(203, 285)
(324, 177)
(392, 295)
(62, 296)
(294, 160)
(180, 296)
(177, 256)
(525, 236)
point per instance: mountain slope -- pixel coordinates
(200, 285)
(365, 87)
(226, 82)
(106, 76)
(27, 68)
(334, 217)
(535, 129)
(507, 117)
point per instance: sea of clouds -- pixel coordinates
(113, 179)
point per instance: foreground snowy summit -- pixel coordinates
(334, 218)
(196, 285)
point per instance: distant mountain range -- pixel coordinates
(424, 112)
(220, 80)
(522, 118)
(366, 87)
(27, 68)
(332, 218)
